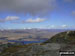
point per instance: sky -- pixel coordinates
(46, 14)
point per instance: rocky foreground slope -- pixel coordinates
(64, 41)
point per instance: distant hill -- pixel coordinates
(64, 37)
(25, 33)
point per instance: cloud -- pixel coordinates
(73, 13)
(52, 26)
(37, 20)
(9, 18)
(57, 27)
(13, 18)
(64, 26)
(33, 7)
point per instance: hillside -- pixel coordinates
(64, 37)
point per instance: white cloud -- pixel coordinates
(13, 18)
(37, 20)
(27, 28)
(52, 26)
(57, 27)
(10, 18)
(64, 26)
